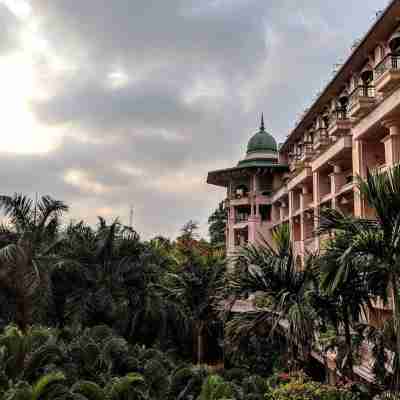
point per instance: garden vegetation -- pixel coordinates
(95, 313)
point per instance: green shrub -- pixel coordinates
(300, 390)
(215, 388)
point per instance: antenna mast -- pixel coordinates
(131, 217)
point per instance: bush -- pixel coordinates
(215, 388)
(300, 390)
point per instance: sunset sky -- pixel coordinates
(111, 103)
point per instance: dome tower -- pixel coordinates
(261, 147)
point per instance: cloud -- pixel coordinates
(139, 99)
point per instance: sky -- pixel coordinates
(115, 104)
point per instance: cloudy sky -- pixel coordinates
(110, 103)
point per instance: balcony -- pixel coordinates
(307, 153)
(342, 147)
(241, 220)
(303, 176)
(362, 100)
(340, 124)
(321, 139)
(387, 74)
(239, 201)
(279, 193)
(295, 163)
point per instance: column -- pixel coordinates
(392, 143)
(282, 211)
(291, 203)
(317, 199)
(360, 167)
(338, 180)
(305, 198)
(255, 183)
(231, 230)
(275, 213)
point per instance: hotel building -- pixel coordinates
(353, 126)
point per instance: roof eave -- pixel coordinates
(346, 69)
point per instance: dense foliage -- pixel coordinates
(97, 313)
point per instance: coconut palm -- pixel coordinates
(375, 243)
(28, 242)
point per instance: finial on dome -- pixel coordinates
(262, 127)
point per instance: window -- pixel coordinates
(265, 212)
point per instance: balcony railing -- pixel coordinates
(362, 91)
(390, 62)
(362, 100)
(321, 139)
(338, 115)
(241, 218)
(307, 152)
(295, 162)
(387, 73)
(339, 124)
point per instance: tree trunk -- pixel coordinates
(349, 343)
(22, 312)
(200, 350)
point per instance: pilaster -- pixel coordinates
(392, 142)
(360, 167)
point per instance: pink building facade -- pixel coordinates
(353, 126)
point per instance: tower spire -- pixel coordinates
(262, 128)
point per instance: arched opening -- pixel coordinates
(342, 105)
(241, 191)
(394, 43)
(367, 76)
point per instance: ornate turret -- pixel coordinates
(261, 147)
(262, 153)
(262, 141)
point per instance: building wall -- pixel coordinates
(357, 129)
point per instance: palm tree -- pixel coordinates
(27, 244)
(347, 285)
(194, 289)
(376, 243)
(272, 270)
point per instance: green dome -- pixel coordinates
(262, 142)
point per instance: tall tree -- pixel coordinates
(195, 289)
(273, 271)
(217, 226)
